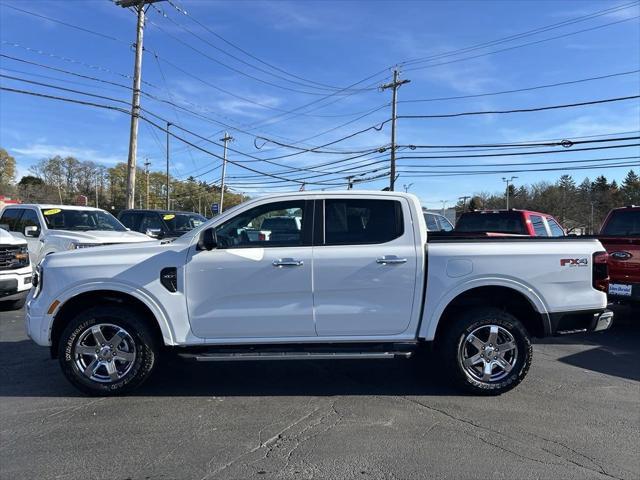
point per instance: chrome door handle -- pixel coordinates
(287, 262)
(390, 260)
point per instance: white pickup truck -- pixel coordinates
(54, 228)
(15, 271)
(361, 279)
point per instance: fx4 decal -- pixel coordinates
(574, 262)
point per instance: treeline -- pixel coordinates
(67, 180)
(579, 207)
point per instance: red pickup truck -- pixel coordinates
(509, 222)
(620, 235)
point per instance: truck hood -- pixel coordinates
(99, 236)
(7, 239)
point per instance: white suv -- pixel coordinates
(54, 228)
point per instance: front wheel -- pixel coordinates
(107, 350)
(486, 351)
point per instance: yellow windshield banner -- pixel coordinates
(169, 216)
(52, 211)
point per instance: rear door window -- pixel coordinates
(538, 226)
(556, 229)
(432, 224)
(362, 222)
(444, 223)
(10, 218)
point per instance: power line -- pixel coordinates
(233, 45)
(520, 35)
(540, 143)
(527, 89)
(524, 110)
(497, 172)
(523, 45)
(76, 27)
(204, 40)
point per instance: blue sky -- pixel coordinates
(328, 43)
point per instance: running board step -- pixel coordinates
(252, 356)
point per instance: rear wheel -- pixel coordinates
(107, 350)
(487, 351)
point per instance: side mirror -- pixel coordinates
(154, 232)
(32, 231)
(208, 240)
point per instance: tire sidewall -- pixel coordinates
(471, 321)
(122, 317)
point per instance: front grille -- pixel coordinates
(8, 257)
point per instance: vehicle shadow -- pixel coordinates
(616, 351)
(27, 371)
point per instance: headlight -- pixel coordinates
(36, 281)
(21, 258)
(77, 245)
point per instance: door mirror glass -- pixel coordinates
(31, 231)
(153, 232)
(208, 240)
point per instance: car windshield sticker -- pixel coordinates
(52, 211)
(169, 217)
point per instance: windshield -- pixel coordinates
(81, 220)
(499, 222)
(623, 223)
(183, 222)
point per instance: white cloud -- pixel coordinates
(40, 150)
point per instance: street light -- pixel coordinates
(508, 181)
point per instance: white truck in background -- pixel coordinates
(360, 278)
(55, 228)
(15, 271)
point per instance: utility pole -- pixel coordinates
(444, 203)
(97, 177)
(394, 103)
(167, 149)
(135, 101)
(508, 181)
(407, 187)
(146, 171)
(226, 139)
(464, 202)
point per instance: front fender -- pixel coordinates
(168, 334)
(434, 313)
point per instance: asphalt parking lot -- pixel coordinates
(577, 415)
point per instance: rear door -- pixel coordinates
(364, 267)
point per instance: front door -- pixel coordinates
(257, 283)
(365, 268)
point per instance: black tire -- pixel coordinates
(452, 343)
(140, 343)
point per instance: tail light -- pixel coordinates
(601, 271)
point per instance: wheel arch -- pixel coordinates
(503, 297)
(91, 298)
